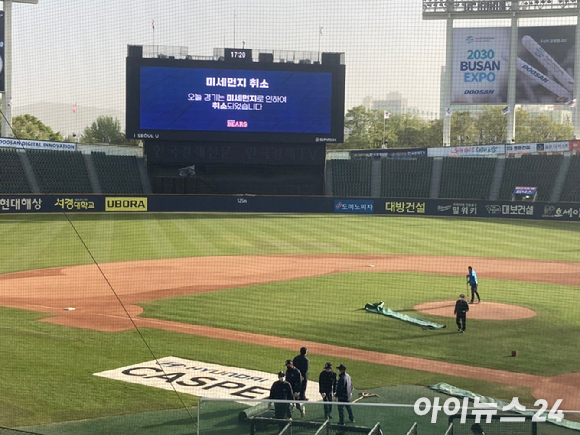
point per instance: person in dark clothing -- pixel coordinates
(327, 387)
(294, 376)
(302, 363)
(461, 309)
(281, 390)
(344, 394)
(472, 281)
(476, 429)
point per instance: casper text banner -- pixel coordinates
(480, 65)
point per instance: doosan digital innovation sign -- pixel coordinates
(173, 99)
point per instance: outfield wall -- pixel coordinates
(284, 204)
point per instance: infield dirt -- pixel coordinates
(96, 307)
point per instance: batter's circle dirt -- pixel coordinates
(96, 307)
(481, 311)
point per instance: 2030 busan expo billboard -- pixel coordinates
(544, 63)
(480, 65)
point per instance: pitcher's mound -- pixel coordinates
(483, 310)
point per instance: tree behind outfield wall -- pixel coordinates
(489, 127)
(105, 129)
(367, 128)
(30, 127)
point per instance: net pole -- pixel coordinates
(449, 429)
(413, 430)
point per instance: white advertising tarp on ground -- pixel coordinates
(203, 379)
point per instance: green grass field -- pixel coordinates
(47, 373)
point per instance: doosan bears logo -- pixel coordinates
(237, 124)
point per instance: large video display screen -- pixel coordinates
(218, 101)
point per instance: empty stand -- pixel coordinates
(571, 190)
(117, 174)
(351, 177)
(401, 178)
(467, 177)
(537, 171)
(12, 174)
(60, 171)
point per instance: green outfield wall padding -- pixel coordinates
(450, 390)
(379, 308)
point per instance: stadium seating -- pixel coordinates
(535, 171)
(12, 175)
(466, 178)
(571, 190)
(60, 171)
(117, 174)
(401, 178)
(351, 177)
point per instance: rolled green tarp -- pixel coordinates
(252, 411)
(379, 308)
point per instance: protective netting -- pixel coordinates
(413, 430)
(267, 426)
(133, 281)
(495, 427)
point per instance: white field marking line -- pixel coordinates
(45, 306)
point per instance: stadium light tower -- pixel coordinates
(565, 87)
(6, 109)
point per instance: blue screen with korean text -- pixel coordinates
(224, 100)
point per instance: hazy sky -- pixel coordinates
(68, 51)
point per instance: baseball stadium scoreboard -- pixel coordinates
(234, 100)
(248, 124)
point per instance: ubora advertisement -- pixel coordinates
(480, 65)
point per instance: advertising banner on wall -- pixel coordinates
(480, 65)
(545, 64)
(521, 148)
(553, 147)
(470, 151)
(390, 153)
